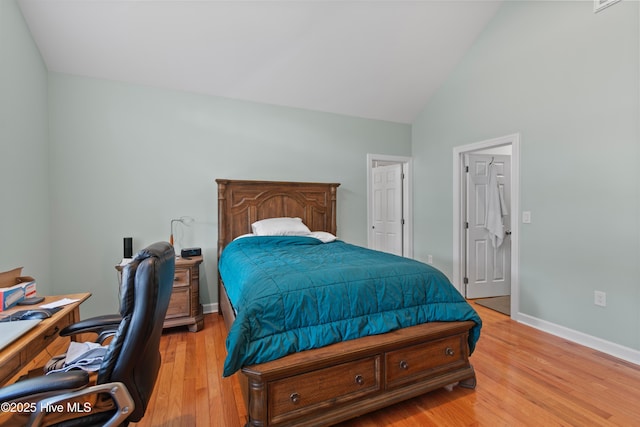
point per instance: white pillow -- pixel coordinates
(244, 235)
(280, 227)
(323, 236)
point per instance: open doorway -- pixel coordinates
(480, 269)
(389, 204)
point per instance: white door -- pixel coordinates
(387, 208)
(488, 269)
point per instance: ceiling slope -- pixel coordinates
(372, 59)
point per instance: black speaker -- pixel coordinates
(128, 247)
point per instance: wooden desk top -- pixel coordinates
(25, 348)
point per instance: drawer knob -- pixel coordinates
(359, 380)
(295, 398)
(404, 364)
(449, 351)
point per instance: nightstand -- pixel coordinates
(184, 306)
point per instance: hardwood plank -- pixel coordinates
(187, 392)
(525, 377)
(233, 408)
(198, 368)
(221, 413)
(178, 405)
(162, 390)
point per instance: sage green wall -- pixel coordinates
(567, 80)
(126, 159)
(24, 191)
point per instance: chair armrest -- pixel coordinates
(117, 391)
(54, 382)
(94, 324)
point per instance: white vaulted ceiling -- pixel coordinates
(372, 59)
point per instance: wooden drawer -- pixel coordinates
(179, 304)
(181, 278)
(12, 366)
(297, 395)
(422, 360)
(50, 335)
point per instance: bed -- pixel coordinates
(342, 375)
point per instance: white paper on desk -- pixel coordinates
(59, 303)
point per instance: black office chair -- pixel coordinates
(129, 370)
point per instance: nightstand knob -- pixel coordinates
(359, 380)
(404, 364)
(295, 398)
(449, 351)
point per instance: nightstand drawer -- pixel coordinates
(179, 303)
(293, 396)
(181, 278)
(419, 361)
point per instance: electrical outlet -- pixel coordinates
(600, 298)
(429, 259)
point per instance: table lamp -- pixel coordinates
(186, 220)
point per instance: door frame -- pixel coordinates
(459, 206)
(407, 198)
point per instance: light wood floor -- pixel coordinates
(525, 377)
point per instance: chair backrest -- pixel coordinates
(133, 357)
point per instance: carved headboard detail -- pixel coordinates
(241, 203)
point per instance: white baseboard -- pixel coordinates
(610, 348)
(210, 308)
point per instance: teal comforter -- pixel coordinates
(296, 293)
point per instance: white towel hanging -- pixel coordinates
(496, 209)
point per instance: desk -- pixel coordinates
(20, 352)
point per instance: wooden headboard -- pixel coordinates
(241, 203)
